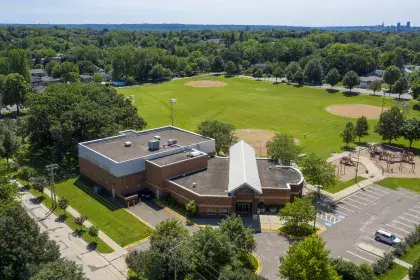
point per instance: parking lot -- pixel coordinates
(352, 222)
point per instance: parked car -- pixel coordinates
(386, 237)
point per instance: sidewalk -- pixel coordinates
(379, 253)
(95, 265)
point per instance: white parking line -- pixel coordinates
(341, 213)
(414, 211)
(400, 217)
(343, 258)
(359, 256)
(369, 195)
(411, 215)
(352, 205)
(377, 189)
(397, 228)
(395, 221)
(370, 238)
(374, 192)
(356, 201)
(356, 195)
(397, 235)
(346, 209)
(417, 206)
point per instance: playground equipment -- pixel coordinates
(393, 155)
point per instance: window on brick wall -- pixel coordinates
(223, 211)
(211, 211)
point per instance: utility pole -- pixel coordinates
(383, 100)
(50, 168)
(316, 209)
(357, 164)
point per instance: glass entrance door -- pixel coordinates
(243, 207)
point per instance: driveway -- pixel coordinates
(355, 219)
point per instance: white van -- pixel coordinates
(386, 237)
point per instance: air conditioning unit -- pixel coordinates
(127, 144)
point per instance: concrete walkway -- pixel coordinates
(95, 265)
(379, 253)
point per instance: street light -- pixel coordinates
(383, 100)
(173, 101)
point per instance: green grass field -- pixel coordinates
(412, 184)
(115, 222)
(254, 104)
(343, 185)
(396, 273)
(412, 254)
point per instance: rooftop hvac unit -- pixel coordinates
(195, 154)
(127, 144)
(154, 145)
(157, 137)
(172, 142)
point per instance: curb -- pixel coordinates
(178, 215)
(136, 242)
(258, 270)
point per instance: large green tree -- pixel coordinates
(59, 269)
(349, 134)
(22, 245)
(10, 143)
(389, 124)
(14, 90)
(351, 79)
(64, 115)
(362, 127)
(307, 260)
(278, 72)
(168, 234)
(414, 272)
(19, 63)
(375, 86)
(298, 213)
(314, 72)
(333, 77)
(284, 148)
(410, 130)
(230, 68)
(391, 75)
(217, 65)
(318, 171)
(401, 86)
(8, 189)
(222, 133)
(240, 236)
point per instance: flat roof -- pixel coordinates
(114, 147)
(276, 177)
(211, 181)
(215, 179)
(165, 160)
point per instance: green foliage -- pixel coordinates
(50, 66)
(318, 171)
(414, 272)
(22, 245)
(159, 72)
(80, 220)
(97, 78)
(14, 90)
(240, 236)
(389, 124)
(314, 72)
(8, 190)
(63, 203)
(85, 67)
(191, 208)
(298, 214)
(375, 86)
(230, 68)
(307, 259)
(278, 72)
(362, 127)
(230, 273)
(349, 134)
(351, 79)
(167, 235)
(410, 130)
(39, 184)
(401, 86)
(59, 269)
(391, 75)
(298, 77)
(65, 115)
(333, 77)
(350, 271)
(413, 77)
(68, 71)
(18, 63)
(217, 64)
(283, 147)
(221, 132)
(258, 73)
(293, 67)
(93, 231)
(383, 264)
(10, 143)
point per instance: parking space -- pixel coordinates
(361, 214)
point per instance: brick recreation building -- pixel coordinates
(173, 162)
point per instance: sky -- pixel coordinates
(256, 12)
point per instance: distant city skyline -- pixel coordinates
(263, 12)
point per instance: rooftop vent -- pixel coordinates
(127, 144)
(157, 137)
(195, 154)
(194, 185)
(172, 142)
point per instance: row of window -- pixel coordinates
(213, 211)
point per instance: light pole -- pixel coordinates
(173, 101)
(383, 100)
(357, 164)
(317, 201)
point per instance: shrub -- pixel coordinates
(416, 107)
(413, 238)
(400, 249)
(26, 173)
(191, 208)
(382, 265)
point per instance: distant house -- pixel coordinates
(410, 68)
(86, 78)
(367, 80)
(216, 40)
(119, 83)
(38, 73)
(377, 73)
(49, 80)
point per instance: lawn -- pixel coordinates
(343, 185)
(101, 246)
(114, 221)
(298, 111)
(412, 184)
(412, 254)
(396, 273)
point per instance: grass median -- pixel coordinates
(344, 185)
(412, 184)
(396, 273)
